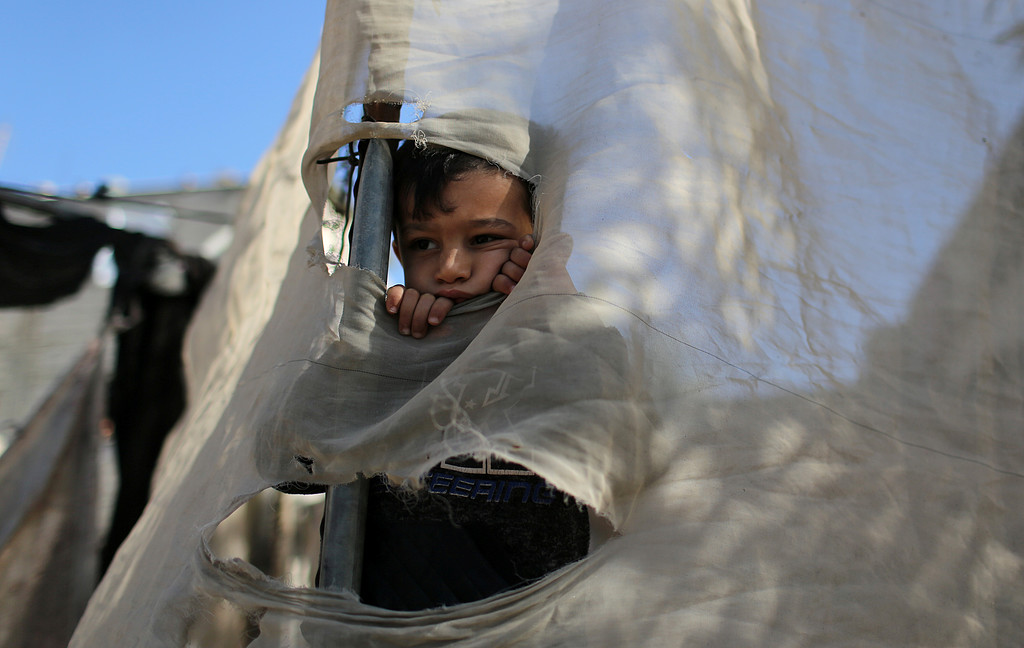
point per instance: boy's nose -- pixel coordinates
(454, 266)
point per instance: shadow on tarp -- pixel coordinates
(884, 511)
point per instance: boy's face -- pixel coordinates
(456, 252)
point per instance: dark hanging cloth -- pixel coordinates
(157, 291)
(152, 306)
(39, 265)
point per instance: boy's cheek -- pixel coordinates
(497, 258)
(505, 250)
(414, 278)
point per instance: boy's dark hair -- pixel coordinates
(427, 170)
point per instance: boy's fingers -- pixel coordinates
(527, 242)
(503, 284)
(520, 257)
(410, 296)
(394, 298)
(513, 271)
(439, 310)
(418, 326)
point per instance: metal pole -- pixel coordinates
(341, 550)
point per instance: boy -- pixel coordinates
(463, 227)
(480, 526)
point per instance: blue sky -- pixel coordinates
(150, 93)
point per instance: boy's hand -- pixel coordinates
(514, 268)
(416, 311)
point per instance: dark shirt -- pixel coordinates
(477, 528)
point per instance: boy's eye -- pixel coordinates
(482, 239)
(422, 244)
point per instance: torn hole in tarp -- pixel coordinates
(275, 532)
(263, 556)
(408, 112)
(241, 603)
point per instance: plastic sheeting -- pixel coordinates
(48, 515)
(771, 330)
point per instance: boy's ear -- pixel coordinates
(397, 249)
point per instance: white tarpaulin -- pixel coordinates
(772, 330)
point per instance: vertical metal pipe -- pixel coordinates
(371, 227)
(341, 550)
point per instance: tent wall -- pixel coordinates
(770, 331)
